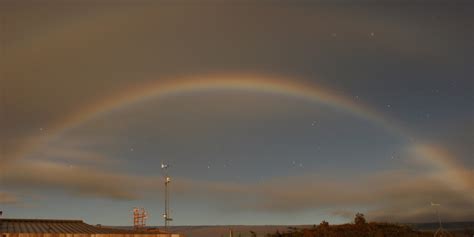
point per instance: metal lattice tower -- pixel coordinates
(139, 218)
(166, 216)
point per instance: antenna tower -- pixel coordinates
(440, 232)
(139, 218)
(166, 216)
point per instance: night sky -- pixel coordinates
(268, 112)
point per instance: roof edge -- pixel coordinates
(40, 220)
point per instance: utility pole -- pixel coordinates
(166, 216)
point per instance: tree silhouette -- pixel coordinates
(360, 219)
(324, 225)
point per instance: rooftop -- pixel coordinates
(60, 226)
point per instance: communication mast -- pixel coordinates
(166, 216)
(139, 218)
(440, 232)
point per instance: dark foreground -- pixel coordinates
(360, 228)
(372, 229)
(351, 230)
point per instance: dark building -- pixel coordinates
(69, 228)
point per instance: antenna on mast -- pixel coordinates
(166, 216)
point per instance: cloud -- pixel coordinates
(448, 167)
(343, 213)
(449, 212)
(389, 196)
(8, 198)
(80, 180)
(75, 153)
